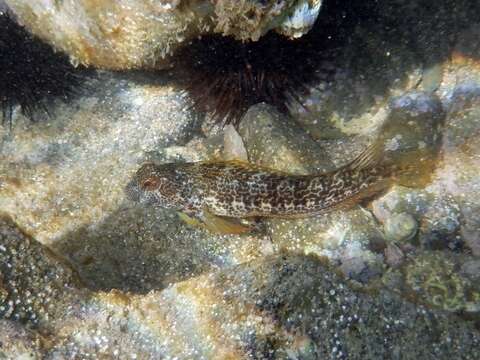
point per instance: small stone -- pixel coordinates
(400, 227)
(471, 269)
(394, 256)
(401, 200)
(233, 146)
(16, 342)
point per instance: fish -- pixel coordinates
(217, 194)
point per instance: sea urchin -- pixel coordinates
(31, 73)
(226, 77)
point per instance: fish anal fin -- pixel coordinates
(214, 223)
(222, 225)
(190, 220)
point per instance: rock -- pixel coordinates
(139, 249)
(345, 238)
(437, 213)
(440, 227)
(400, 227)
(394, 256)
(434, 280)
(16, 342)
(292, 304)
(412, 136)
(36, 287)
(68, 172)
(275, 141)
(120, 35)
(282, 305)
(471, 269)
(233, 147)
(249, 20)
(401, 200)
(457, 177)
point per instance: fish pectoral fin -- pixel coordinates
(222, 225)
(190, 220)
(214, 223)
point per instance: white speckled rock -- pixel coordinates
(68, 172)
(142, 34)
(287, 305)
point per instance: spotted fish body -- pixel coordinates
(235, 189)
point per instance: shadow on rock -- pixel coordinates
(385, 49)
(134, 249)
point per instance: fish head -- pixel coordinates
(157, 185)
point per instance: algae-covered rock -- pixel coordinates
(275, 141)
(124, 34)
(248, 20)
(295, 306)
(113, 34)
(281, 306)
(436, 280)
(37, 287)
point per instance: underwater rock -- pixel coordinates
(120, 35)
(283, 305)
(440, 225)
(250, 19)
(60, 175)
(412, 135)
(345, 238)
(233, 146)
(434, 279)
(438, 216)
(401, 199)
(289, 306)
(36, 287)
(275, 141)
(471, 269)
(394, 256)
(16, 342)
(457, 177)
(112, 34)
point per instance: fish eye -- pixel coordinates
(150, 184)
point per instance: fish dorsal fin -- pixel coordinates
(370, 157)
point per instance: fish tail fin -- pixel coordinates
(408, 174)
(394, 172)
